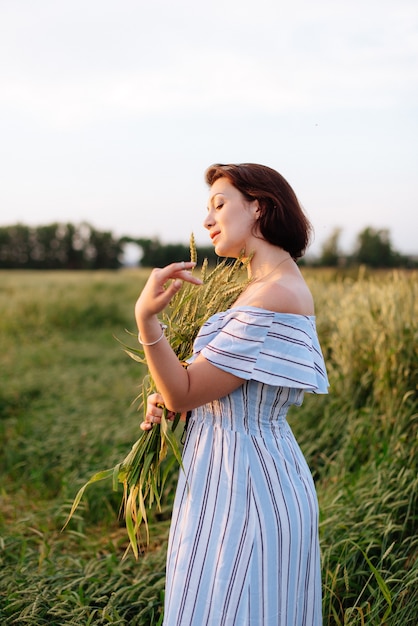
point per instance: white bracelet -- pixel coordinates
(152, 343)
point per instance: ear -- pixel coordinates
(256, 209)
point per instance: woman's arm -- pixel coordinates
(182, 389)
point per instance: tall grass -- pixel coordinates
(66, 388)
(361, 442)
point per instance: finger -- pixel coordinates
(154, 411)
(154, 407)
(182, 269)
(183, 266)
(177, 283)
(155, 398)
(153, 419)
(172, 289)
(158, 399)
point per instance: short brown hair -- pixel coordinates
(282, 221)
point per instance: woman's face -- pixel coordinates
(230, 219)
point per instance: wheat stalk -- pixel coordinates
(143, 472)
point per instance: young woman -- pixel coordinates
(243, 547)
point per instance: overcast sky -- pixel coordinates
(110, 111)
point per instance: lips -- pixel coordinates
(214, 235)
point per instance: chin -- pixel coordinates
(223, 251)
(219, 250)
(225, 255)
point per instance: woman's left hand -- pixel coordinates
(157, 294)
(154, 411)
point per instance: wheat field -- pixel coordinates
(68, 409)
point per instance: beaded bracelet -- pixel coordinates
(152, 343)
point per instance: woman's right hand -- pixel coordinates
(154, 411)
(162, 284)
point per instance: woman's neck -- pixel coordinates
(262, 267)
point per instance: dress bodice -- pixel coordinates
(253, 409)
(277, 355)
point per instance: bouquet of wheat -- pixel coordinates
(143, 472)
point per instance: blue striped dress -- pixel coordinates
(243, 547)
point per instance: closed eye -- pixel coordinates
(219, 206)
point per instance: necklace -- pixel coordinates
(245, 295)
(256, 280)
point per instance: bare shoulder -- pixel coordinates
(290, 294)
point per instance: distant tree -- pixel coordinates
(374, 248)
(103, 251)
(71, 246)
(46, 250)
(331, 254)
(15, 250)
(156, 254)
(58, 246)
(151, 251)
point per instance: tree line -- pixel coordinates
(373, 247)
(58, 246)
(83, 247)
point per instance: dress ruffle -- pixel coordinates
(280, 349)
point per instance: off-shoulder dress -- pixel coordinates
(243, 547)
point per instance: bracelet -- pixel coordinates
(152, 343)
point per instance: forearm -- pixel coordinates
(183, 389)
(170, 377)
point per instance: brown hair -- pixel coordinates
(282, 221)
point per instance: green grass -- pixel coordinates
(67, 411)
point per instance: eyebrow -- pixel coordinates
(211, 200)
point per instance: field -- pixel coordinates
(68, 409)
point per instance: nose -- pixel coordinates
(208, 221)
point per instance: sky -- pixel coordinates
(110, 111)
